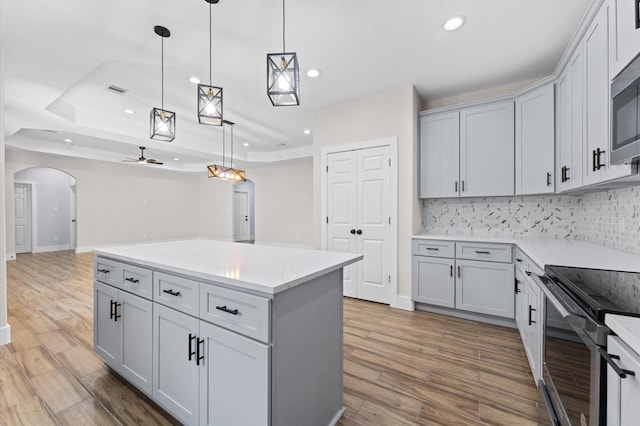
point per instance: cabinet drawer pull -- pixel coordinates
(116, 305)
(622, 373)
(132, 280)
(548, 179)
(104, 271)
(483, 252)
(528, 273)
(531, 321)
(199, 357)
(433, 248)
(192, 337)
(518, 260)
(111, 310)
(172, 293)
(227, 310)
(517, 286)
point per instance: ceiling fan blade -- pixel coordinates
(152, 161)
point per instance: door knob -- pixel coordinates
(353, 232)
(359, 232)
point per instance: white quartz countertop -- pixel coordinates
(261, 268)
(565, 252)
(627, 328)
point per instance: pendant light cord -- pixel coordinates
(162, 71)
(223, 144)
(231, 161)
(210, 44)
(284, 50)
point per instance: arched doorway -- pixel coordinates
(45, 210)
(243, 212)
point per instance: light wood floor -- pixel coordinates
(401, 368)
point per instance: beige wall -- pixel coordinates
(387, 114)
(118, 203)
(284, 203)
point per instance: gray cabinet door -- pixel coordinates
(433, 281)
(105, 336)
(485, 287)
(135, 351)
(234, 380)
(487, 150)
(176, 373)
(440, 155)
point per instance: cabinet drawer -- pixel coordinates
(433, 248)
(135, 280)
(484, 251)
(526, 265)
(105, 270)
(240, 312)
(175, 292)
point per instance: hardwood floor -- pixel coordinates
(401, 368)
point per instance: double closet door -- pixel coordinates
(358, 219)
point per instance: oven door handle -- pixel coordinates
(577, 321)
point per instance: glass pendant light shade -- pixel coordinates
(209, 105)
(283, 79)
(163, 122)
(163, 125)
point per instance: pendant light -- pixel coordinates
(283, 75)
(222, 171)
(210, 97)
(163, 122)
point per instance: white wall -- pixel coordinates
(52, 206)
(5, 329)
(118, 203)
(387, 114)
(215, 198)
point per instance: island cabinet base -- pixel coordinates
(238, 356)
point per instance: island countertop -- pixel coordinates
(262, 268)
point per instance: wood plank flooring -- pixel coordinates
(400, 368)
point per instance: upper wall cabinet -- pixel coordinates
(468, 152)
(535, 141)
(624, 34)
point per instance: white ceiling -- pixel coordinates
(60, 57)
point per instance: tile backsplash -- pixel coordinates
(610, 218)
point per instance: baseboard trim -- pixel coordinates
(471, 316)
(11, 256)
(45, 249)
(5, 334)
(84, 249)
(403, 302)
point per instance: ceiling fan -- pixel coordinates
(142, 159)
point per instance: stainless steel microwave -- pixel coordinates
(625, 115)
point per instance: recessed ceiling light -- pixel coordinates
(313, 73)
(307, 131)
(194, 80)
(454, 23)
(129, 111)
(176, 159)
(245, 144)
(67, 140)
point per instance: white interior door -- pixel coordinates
(341, 211)
(358, 219)
(240, 215)
(22, 197)
(372, 234)
(72, 216)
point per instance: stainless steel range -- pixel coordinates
(574, 375)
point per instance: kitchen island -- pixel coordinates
(225, 333)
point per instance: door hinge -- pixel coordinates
(389, 279)
(389, 220)
(327, 219)
(389, 162)
(327, 169)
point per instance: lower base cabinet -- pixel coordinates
(622, 393)
(485, 287)
(529, 306)
(123, 324)
(207, 375)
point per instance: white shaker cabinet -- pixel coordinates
(624, 34)
(535, 141)
(440, 155)
(569, 149)
(468, 152)
(122, 337)
(434, 280)
(623, 394)
(485, 287)
(487, 150)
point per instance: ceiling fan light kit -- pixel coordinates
(163, 122)
(283, 74)
(142, 159)
(209, 96)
